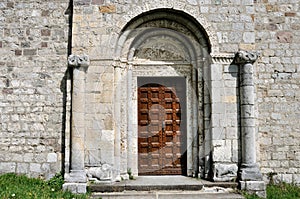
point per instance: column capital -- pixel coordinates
(78, 61)
(245, 57)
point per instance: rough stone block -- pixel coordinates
(28, 52)
(97, 2)
(222, 151)
(284, 37)
(81, 188)
(35, 167)
(216, 73)
(107, 9)
(254, 187)
(249, 37)
(52, 157)
(7, 167)
(296, 179)
(72, 187)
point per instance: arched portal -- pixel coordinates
(170, 48)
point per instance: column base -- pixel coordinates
(250, 172)
(76, 181)
(73, 187)
(254, 187)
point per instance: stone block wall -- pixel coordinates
(33, 48)
(33, 73)
(99, 140)
(278, 84)
(267, 26)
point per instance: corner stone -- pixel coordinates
(254, 187)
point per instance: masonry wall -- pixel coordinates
(33, 48)
(277, 27)
(269, 27)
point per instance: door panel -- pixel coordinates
(162, 134)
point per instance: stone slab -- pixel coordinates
(150, 183)
(167, 195)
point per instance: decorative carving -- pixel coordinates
(245, 57)
(72, 60)
(161, 48)
(104, 172)
(225, 172)
(78, 60)
(222, 58)
(168, 25)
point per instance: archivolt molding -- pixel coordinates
(177, 20)
(200, 18)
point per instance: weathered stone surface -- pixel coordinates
(225, 172)
(35, 101)
(284, 37)
(104, 172)
(255, 187)
(31, 98)
(107, 9)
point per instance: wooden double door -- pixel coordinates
(162, 126)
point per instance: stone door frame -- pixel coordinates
(190, 98)
(195, 50)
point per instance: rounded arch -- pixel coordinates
(165, 18)
(159, 30)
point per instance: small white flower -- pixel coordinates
(52, 189)
(13, 195)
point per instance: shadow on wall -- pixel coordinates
(63, 88)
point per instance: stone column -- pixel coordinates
(75, 181)
(117, 118)
(132, 162)
(249, 173)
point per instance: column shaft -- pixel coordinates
(78, 127)
(249, 169)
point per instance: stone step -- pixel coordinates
(164, 187)
(150, 183)
(167, 195)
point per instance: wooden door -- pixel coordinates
(161, 145)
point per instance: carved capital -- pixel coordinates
(78, 61)
(245, 57)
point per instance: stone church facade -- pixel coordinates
(98, 88)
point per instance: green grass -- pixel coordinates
(21, 187)
(280, 191)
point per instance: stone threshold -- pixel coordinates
(159, 183)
